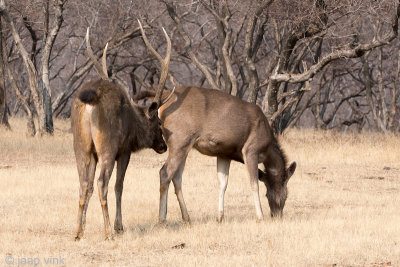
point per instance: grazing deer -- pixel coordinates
(106, 128)
(223, 126)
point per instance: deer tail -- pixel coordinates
(89, 96)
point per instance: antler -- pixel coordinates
(164, 63)
(102, 71)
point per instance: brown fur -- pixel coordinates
(223, 126)
(106, 128)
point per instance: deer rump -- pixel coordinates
(106, 115)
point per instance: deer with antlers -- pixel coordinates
(108, 127)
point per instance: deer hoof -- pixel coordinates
(220, 218)
(119, 229)
(259, 220)
(162, 222)
(109, 238)
(78, 236)
(186, 220)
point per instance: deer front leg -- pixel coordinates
(177, 180)
(164, 185)
(102, 184)
(172, 170)
(251, 162)
(122, 164)
(223, 174)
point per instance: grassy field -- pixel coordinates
(343, 207)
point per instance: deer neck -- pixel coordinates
(276, 165)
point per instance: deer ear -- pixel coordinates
(152, 110)
(291, 169)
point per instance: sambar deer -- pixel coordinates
(223, 126)
(107, 127)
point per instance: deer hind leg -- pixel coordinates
(223, 174)
(172, 170)
(122, 164)
(107, 165)
(251, 162)
(86, 169)
(92, 171)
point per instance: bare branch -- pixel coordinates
(355, 52)
(188, 46)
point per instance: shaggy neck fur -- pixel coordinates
(143, 137)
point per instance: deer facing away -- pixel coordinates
(106, 128)
(223, 126)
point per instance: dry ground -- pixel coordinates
(343, 207)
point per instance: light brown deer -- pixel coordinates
(223, 126)
(106, 128)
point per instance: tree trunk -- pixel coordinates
(394, 107)
(48, 42)
(249, 62)
(47, 109)
(3, 102)
(31, 129)
(369, 95)
(3, 91)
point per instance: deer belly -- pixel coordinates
(215, 148)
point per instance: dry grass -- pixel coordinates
(343, 207)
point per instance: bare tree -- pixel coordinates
(278, 54)
(383, 113)
(230, 68)
(353, 48)
(21, 98)
(304, 41)
(39, 78)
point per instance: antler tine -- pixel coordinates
(104, 61)
(102, 71)
(164, 69)
(164, 62)
(171, 79)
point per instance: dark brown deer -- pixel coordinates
(107, 127)
(223, 126)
